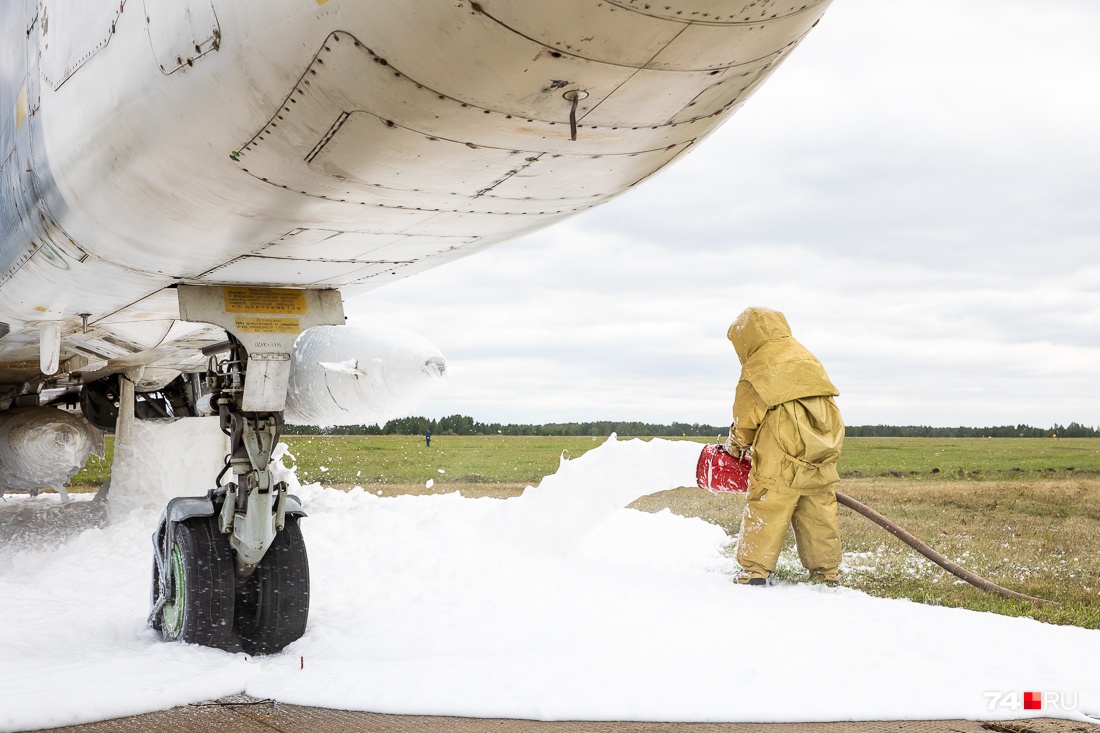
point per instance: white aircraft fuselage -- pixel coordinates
(325, 144)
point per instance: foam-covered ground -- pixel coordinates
(555, 605)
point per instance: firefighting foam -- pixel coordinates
(43, 447)
(555, 605)
(391, 370)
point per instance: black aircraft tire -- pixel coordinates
(273, 603)
(201, 608)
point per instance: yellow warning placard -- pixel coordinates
(246, 324)
(274, 301)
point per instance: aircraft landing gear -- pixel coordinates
(230, 568)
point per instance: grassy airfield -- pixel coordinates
(1022, 512)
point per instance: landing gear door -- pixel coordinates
(267, 322)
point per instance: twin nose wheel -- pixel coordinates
(200, 600)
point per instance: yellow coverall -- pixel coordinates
(784, 413)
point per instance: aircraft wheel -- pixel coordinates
(273, 603)
(200, 610)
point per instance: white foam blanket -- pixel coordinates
(559, 604)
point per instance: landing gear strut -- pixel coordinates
(230, 568)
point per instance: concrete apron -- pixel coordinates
(243, 714)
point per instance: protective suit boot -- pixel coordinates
(748, 579)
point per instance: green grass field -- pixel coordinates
(1023, 512)
(521, 459)
(970, 458)
(403, 459)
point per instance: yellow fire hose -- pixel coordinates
(951, 567)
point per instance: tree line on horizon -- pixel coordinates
(1073, 430)
(465, 425)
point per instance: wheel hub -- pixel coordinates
(172, 612)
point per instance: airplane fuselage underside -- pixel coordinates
(326, 145)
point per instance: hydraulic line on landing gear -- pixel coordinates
(721, 472)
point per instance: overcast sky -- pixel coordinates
(917, 188)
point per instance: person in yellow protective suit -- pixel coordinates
(784, 414)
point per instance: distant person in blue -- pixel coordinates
(428, 437)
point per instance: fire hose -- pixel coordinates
(951, 567)
(721, 472)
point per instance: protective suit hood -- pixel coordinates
(779, 368)
(754, 328)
